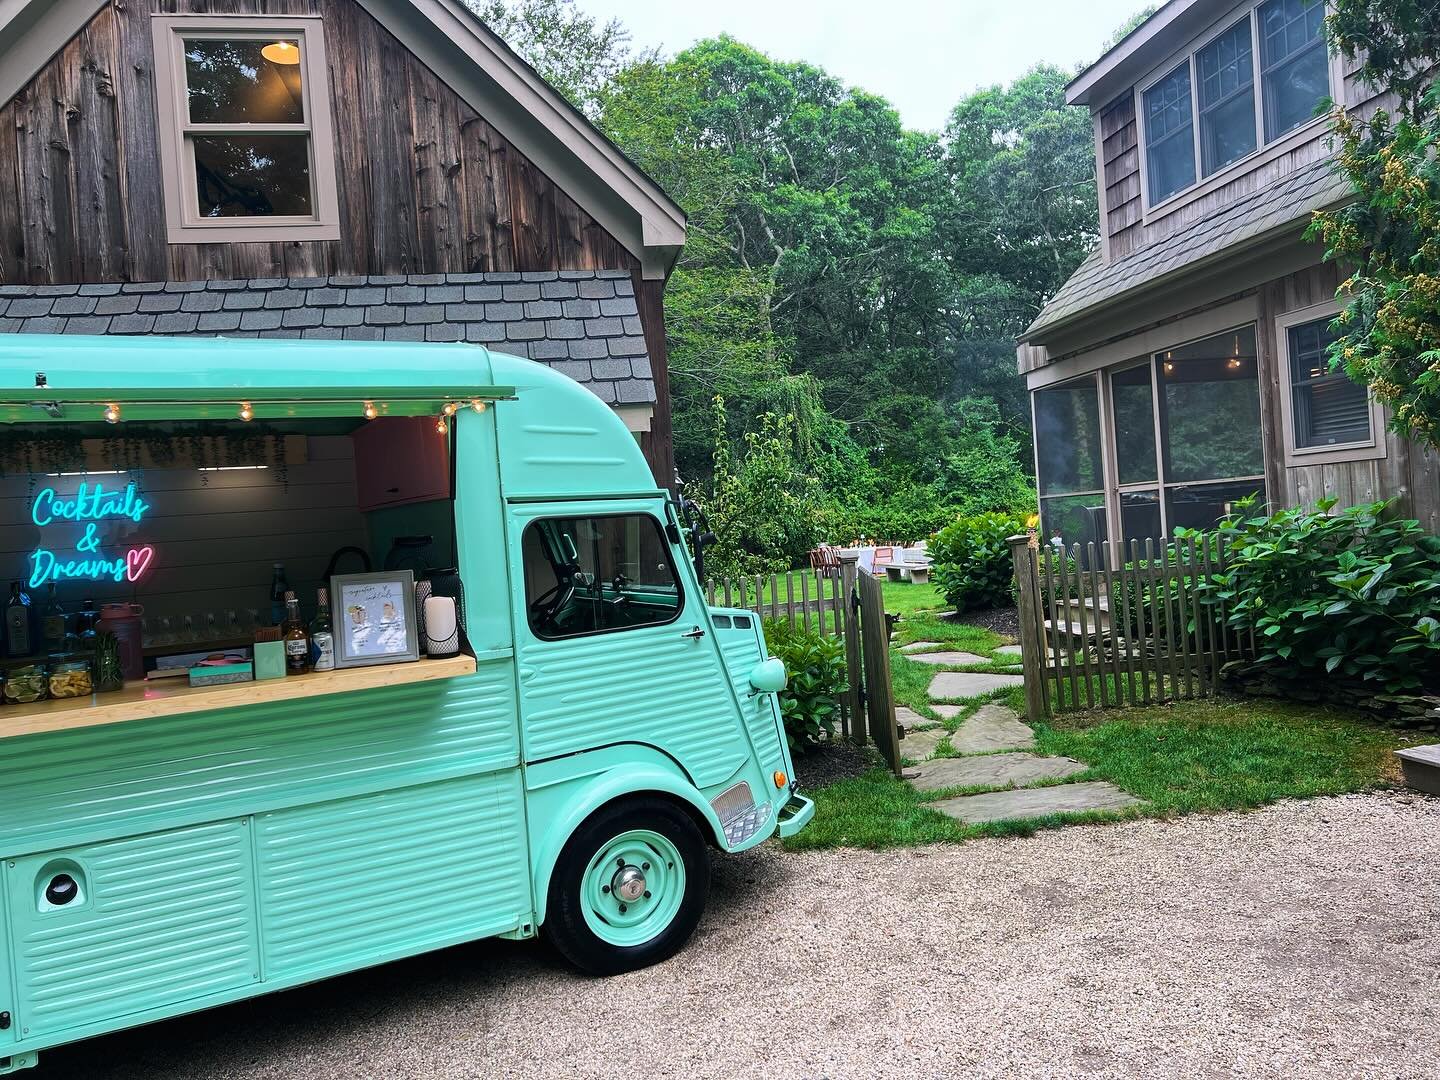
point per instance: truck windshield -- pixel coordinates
(589, 575)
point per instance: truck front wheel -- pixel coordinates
(629, 887)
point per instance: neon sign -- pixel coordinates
(87, 507)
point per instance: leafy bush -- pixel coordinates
(816, 667)
(972, 564)
(1352, 593)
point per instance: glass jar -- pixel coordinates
(25, 684)
(71, 678)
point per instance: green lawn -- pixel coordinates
(1181, 758)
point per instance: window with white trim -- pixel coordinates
(245, 129)
(1204, 114)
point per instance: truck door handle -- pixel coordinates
(695, 633)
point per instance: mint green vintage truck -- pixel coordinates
(169, 847)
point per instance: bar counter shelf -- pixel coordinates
(147, 700)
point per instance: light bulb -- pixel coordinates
(450, 408)
(370, 411)
(246, 412)
(440, 425)
(112, 413)
(478, 405)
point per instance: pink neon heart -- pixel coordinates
(137, 560)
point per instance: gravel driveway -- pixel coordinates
(1296, 941)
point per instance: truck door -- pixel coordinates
(611, 646)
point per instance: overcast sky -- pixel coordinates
(923, 55)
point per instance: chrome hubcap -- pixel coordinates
(628, 884)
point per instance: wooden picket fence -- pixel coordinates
(842, 603)
(1110, 625)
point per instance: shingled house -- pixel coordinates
(1182, 366)
(353, 169)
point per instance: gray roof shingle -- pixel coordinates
(542, 316)
(1283, 203)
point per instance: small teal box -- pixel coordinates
(269, 660)
(221, 674)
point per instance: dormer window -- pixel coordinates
(1203, 115)
(245, 129)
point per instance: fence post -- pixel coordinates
(1032, 656)
(853, 673)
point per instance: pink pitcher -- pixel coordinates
(123, 620)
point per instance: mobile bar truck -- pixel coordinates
(230, 767)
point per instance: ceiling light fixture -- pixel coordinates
(282, 52)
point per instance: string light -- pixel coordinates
(478, 405)
(370, 411)
(112, 413)
(450, 408)
(440, 425)
(246, 412)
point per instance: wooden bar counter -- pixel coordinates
(171, 697)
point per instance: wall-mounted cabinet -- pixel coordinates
(400, 460)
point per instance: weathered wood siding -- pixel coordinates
(425, 185)
(1407, 470)
(1120, 161)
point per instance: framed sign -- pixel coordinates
(374, 617)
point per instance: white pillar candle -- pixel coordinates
(439, 618)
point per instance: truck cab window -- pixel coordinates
(590, 575)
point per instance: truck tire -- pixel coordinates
(629, 887)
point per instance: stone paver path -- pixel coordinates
(909, 718)
(919, 745)
(992, 770)
(993, 727)
(1036, 802)
(921, 646)
(991, 745)
(948, 658)
(963, 684)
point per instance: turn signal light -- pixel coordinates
(781, 779)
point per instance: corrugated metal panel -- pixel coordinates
(742, 653)
(355, 881)
(75, 786)
(161, 919)
(647, 685)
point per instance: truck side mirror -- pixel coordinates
(768, 676)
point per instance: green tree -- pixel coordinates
(1389, 332)
(572, 51)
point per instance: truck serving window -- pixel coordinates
(591, 575)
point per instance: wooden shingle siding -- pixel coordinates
(1122, 174)
(1407, 471)
(425, 184)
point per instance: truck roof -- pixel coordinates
(178, 372)
(556, 438)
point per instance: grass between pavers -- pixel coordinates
(1180, 758)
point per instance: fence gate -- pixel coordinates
(875, 662)
(1107, 625)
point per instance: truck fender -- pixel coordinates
(563, 793)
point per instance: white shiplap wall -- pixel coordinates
(216, 535)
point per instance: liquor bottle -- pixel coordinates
(322, 635)
(52, 624)
(297, 641)
(17, 622)
(279, 593)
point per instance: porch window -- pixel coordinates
(1211, 451)
(245, 122)
(1068, 462)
